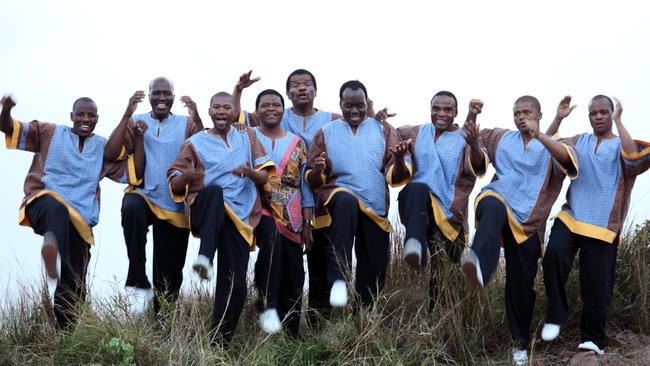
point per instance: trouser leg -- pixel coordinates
(136, 218)
(414, 205)
(319, 288)
(597, 269)
(291, 287)
(371, 248)
(492, 219)
(268, 267)
(169, 251)
(207, 217)
(557, 262)
(521, 268)
(344, 209)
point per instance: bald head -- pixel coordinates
(160, 81)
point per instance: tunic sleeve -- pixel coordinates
(305, 191)
(30, 136)
(186, 160)
(317, 147)
(639, 162)
(260, 159)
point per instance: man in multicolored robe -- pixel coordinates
(351, 160)
(215, 175)
(147, 201)
(512, 211)
(62, 194)
(609, 165)
(281, 233)
(446, 161)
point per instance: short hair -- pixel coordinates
(531, 99)
(301, 72)
(268, 92)
(83, 99)
(609, 100)
(220, 94)
(354, 85)
(445, 93)
(161, 78)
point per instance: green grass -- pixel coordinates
(465, 327)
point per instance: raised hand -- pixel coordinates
(245, 80)
(475, 106)
(618, 111)
(471, 132)
(383, 114)
(401, 148)
(243, 170)
(137, 97)
(565, 107)
(140, 128)
(7, 102)
(320, 163)
(191, 108)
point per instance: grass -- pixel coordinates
(464, 327)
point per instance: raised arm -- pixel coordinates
(557, 149)
(563, 111)
(193, 113)
(138, 151)
(627, 143)
(471, 135)
(6, 122)
(116, 140)
(244, 82)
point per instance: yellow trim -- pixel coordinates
(11, 142)
(584, 229)
(177, 197)
(486, 161)
(639, 154)
(174, 218)
(78, 222)
(323, 178)
(133, 178)
(270, 172)
(516, 229)
(389, 176)
(242, 116)
(122, 152)
(382, 222)
(573, 161)
(245, 230)
(441, 219)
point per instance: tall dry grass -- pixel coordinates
(464, 327)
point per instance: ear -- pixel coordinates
(455, 112)
(71, 114)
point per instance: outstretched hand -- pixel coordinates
(245, 80)
(383, 114)
(135, 99)
(401, 148)
(471, 132)
(565, 107)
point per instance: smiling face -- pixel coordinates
(222, 112)
(84, 118)
(161, 97)
(600, 116)
(302, 90)
(443, 112)
(354, 106)
(270, 110)
(525, 110)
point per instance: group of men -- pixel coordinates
(296, 180)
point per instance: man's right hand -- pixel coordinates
(7, 102)
(564, 108)
(320, 163)
(245, 80)
(133, 102)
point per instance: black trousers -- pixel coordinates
(597, 269)
(279, 274)
(414, 205)
(219, 233)
(169, 249)
(318, 293)
(521, 265)
(46, 214)
(371, 244)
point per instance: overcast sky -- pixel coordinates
(53, 52)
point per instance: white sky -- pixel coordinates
(55, 51)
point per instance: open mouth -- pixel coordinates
(85, 128)
(161, 106)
